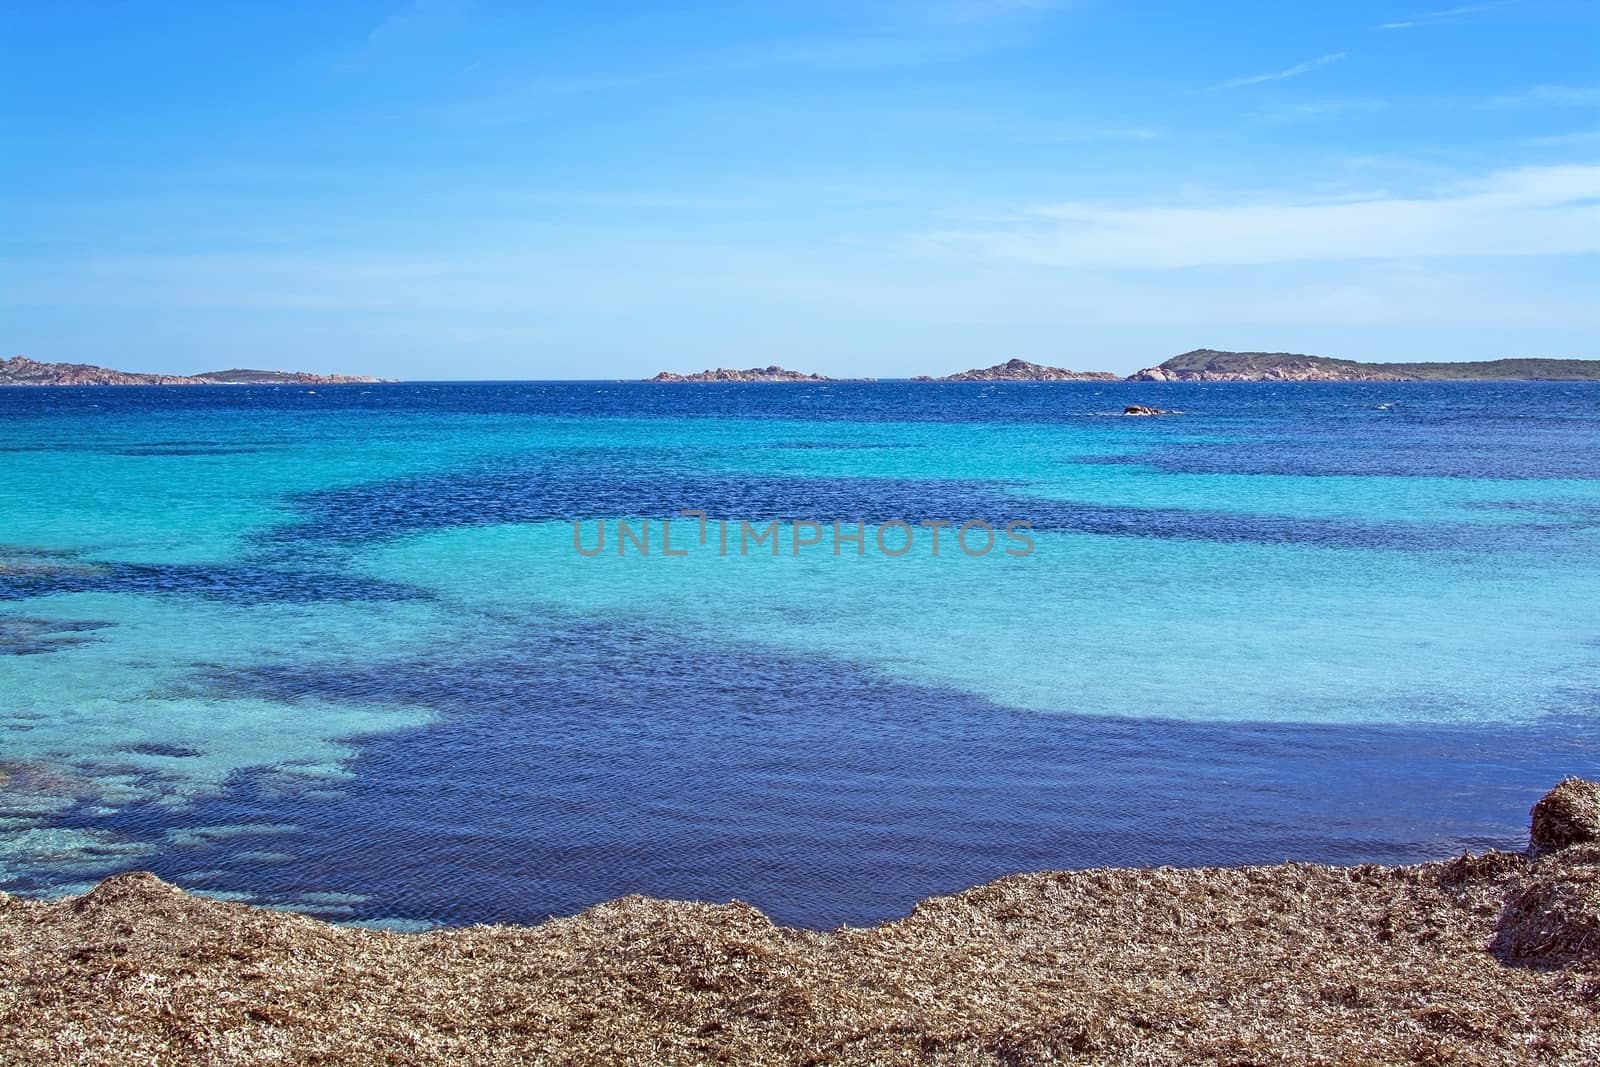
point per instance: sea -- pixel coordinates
(425, 654)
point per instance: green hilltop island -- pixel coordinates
(24, 371)
(1210, 365)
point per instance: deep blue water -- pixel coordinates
(333, 649)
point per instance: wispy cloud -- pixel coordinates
(1551, 96)
(979, 10)
(416, 19)
(1530, 211)
(1572, 138)
(1308, 110)
(1129, 133)
(1447, 15)
(1289, 72)
(904, 35)
(536, 99)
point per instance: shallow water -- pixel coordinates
(335, 650)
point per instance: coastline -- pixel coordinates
(1294, 963)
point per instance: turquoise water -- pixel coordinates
(334, 649)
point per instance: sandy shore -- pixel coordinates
(1287, 964)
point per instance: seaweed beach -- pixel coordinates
(1486, 959)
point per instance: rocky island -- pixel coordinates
(754, 374)
(1493, 958)
(24, 371)
(1020, 370)
(1211, 365)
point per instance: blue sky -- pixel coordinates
(454, 189)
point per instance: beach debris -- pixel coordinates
(1567, 815)
(1292, 964)
(1553, 920)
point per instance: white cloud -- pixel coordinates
(1551, 95)
(968, 10)
(1565, 140)
(623, 304)
(1129, 133)
(1531, 211)
(1447, 15)
(536, 99)
(1288, 72)
(1307, 110)
(903, 33)
(420, 18)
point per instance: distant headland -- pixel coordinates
(24, 371)
(1212, 365)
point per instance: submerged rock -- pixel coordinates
(1567, 815)
(38, 778)
(22, 635)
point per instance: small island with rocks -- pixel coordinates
(773, 373)
(24, 371)
(1020, 370)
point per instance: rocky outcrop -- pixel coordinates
(1211, 365)
(24, 371)
(1020, 370)
(754, 374)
